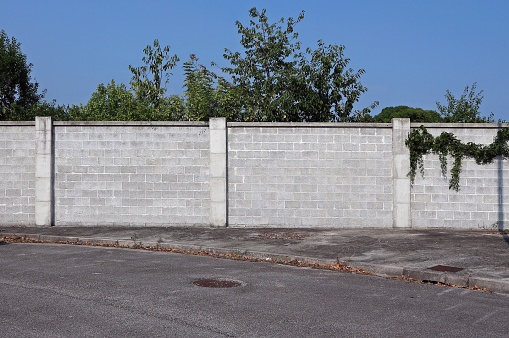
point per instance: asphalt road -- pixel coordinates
(75, 291)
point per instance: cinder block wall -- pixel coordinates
(17, 173)
(131, 174)
(317, 175)
(239, 174)
(483, 199)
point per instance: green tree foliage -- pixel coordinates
(270, 80)
(144, 101)
(465, 109)
(327, 88)
(207, 94)
(276, 81)
(45, 108)
(18, 93)
(263, 72)
(414, 114)
(19, 97)
(149, 81)
(111, 102)
(200, 92)
(115, 102)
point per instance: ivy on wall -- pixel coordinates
(421, 142)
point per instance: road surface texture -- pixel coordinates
(51, 290)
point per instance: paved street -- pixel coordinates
(76, 291)
(478, 258)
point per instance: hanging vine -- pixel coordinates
(421, 142)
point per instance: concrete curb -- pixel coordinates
(438, 277)
(379, 269)
(500, 286)
(463, 280)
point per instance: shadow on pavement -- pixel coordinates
(500, 219)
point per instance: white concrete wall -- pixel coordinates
(17, 173)
(483, 199)
(43, 171)
(325, 175)
(131, 174)
(218, 192)
(239, 174)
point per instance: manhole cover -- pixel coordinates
(217, 283)
(445, 268)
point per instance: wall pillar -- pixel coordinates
(400, 180)
(43, 171)
(218, 185)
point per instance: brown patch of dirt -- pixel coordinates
(282, 235)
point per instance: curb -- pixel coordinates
(439, 277)
(380, 269)
(391, 271)
(490, 284)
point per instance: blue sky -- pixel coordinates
(412, 51)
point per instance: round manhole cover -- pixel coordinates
(217, 283)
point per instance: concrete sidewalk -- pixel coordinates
(465, 258)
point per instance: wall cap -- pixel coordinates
(132, 123)
(16, 123)
(460, 125)
(307, 125)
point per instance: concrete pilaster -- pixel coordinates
(218, 196)
(43, 171)
(401, 166)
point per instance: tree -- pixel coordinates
(327, 89)
(115, 102)
(45, 108)
(201, 101)
(149, 81)
(18, 93)
(263, 72)
(111, 103)
(208, 94)
(276, 81)
(145, 100)
(465, 109)
(414, 114)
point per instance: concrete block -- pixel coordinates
(217, 136)
(217, 190)
(218, 170)
(43, 172)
